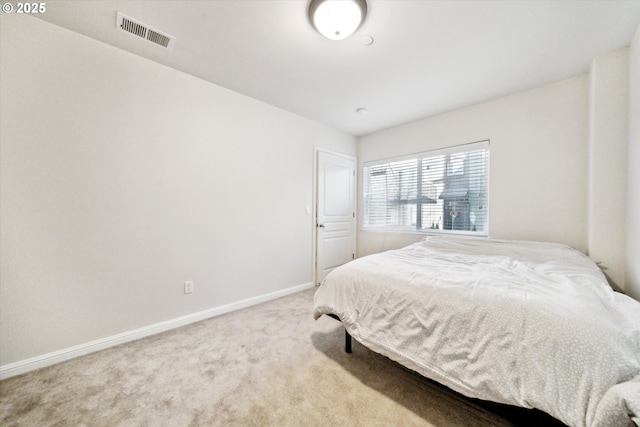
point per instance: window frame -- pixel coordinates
(420, 157)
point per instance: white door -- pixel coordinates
(335, 212)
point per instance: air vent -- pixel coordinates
(144, 31)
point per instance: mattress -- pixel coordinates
(523, 323)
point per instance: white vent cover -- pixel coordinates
(144, 31)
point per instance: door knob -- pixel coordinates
(320, 225)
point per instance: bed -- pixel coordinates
(522, 323)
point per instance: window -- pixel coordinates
(441, 191)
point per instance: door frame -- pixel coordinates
(314, 219)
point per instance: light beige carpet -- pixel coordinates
(267, 365)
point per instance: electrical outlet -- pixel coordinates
(188, 286)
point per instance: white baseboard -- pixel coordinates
(31, 364)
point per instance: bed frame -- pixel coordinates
(347, 337)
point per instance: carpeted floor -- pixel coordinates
(267, 365)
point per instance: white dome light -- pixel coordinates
(337, 19)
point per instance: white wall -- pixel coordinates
(122, 178)
(539, 152)
(608, 136)
(632, 264)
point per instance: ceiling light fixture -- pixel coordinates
(337, 19)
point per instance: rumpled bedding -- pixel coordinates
(523, 323)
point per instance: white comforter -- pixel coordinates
(523, 323)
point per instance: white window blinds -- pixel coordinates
(442, 191)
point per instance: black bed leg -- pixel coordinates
(347, 337)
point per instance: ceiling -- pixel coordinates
(427, 57)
